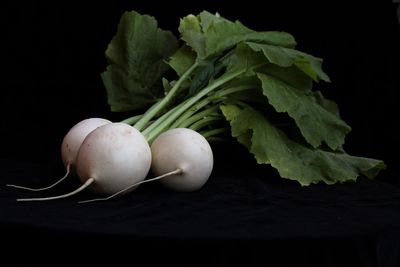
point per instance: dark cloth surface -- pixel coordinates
(241, 205)
(243, 215)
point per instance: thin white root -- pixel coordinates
(177, 171)
(85, 185)
(43, 188)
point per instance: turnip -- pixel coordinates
(70, 146)
(75, 137)
(111, 158)
(186, 150)
(181, 157)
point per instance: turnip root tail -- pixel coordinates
(82, 187)
(177, 171)
(43, 188)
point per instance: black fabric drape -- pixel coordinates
(242, 217)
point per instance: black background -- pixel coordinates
(54, 54)
(52, 57)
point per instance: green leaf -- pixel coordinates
(119, 91)
(286, 57)
(210, 35)
(290, 75)
(203, 75)
(137, 56)
(243, 57)
(243, 133)
(326, 103)
(317, 118)
(166, 85)
(191, 33)
(292, 160)
(182, 60)
(244, 89)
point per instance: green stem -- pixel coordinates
(188, 113)
(156, 123)
(218, 96)
(132, 120)
(204, 122)
(215, 139)
(165, 101)
(211, 133)
(231, 90)
(191, 101)
(198, 116)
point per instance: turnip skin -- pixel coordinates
(74, 139)
(116, 156)
(182, 159)
(185, 149)
(113, 158)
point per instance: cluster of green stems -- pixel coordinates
(196, 112)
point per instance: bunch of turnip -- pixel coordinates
(254, 85)
(113, 158)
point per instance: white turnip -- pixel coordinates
(75, 137)
(70, 146)
(182, 158)
(186, 150)
(111, 158)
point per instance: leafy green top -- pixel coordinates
(137, 55)
(256, 85)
